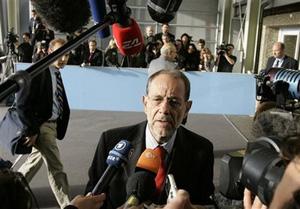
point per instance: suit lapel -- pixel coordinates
(138, 146)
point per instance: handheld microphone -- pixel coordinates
(141, 185)
(65, 16)
(126, 31)
(163, 11)
(115, 159)
(98, 8)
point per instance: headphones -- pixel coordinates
(15, 192)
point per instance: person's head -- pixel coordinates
(149, 31)
(278, 49)
(14, 190)
(230, 48)
(26, 37)
(112, 44)
(192, 48)
(165, 28)
(166, 102)
(92, 45)
(165, 38)
(206, 53)
(201, 44)
(33, 13)
(54, 45)
(185, 38)
(178, 44)
(275, 122)
(169, 51)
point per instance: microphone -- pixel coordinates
(126, 31)
(163, 11)
(117, 157)
(141, 185)
(65, 16)
(98, 8)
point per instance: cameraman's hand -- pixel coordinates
(249, 203)
(182, 201)
(289, 184)
(30, 140)
(89, 201)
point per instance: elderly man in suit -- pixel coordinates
(188, 156)
(280, 60)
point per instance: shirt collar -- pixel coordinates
(151, 143)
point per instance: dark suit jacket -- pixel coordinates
(96, 58)
(37, 108)
(288, 63)
(191, 164)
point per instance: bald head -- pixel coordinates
(168, 50)
(278, 50)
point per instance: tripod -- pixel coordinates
(9, 69)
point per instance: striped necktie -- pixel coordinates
(59, 92)
(162, 171)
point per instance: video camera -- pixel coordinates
(279, 85)
(222, 48)
(11, 39)
(260, 167)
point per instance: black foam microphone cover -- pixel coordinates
(163, 11)
(141, 185)
(65, 16)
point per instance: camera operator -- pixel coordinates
(225, 59)
(286, 126)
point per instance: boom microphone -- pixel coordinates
(115, 159)
(126, 31)
(163, 11)
(141, 185)
(65, 16)
(98, 8)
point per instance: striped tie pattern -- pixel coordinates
(59, 92)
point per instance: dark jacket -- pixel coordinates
(288, 63)
(37, 108)
(191, 163)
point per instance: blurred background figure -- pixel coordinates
(40, 51)
(166, 60)
(111, 57)
(94, 56)
(225, 59)
(165, 31)
(25, 49)
(149, 35)
(280, 59)
(207, 61)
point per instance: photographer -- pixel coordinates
(225, 59)
(285, 125)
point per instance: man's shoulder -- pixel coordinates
(125, 132)
(195, 139)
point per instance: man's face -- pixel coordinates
(165, 29)
(278, 52)
(63, 60)
(165, 106)
(92, 46)
(149, 31)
